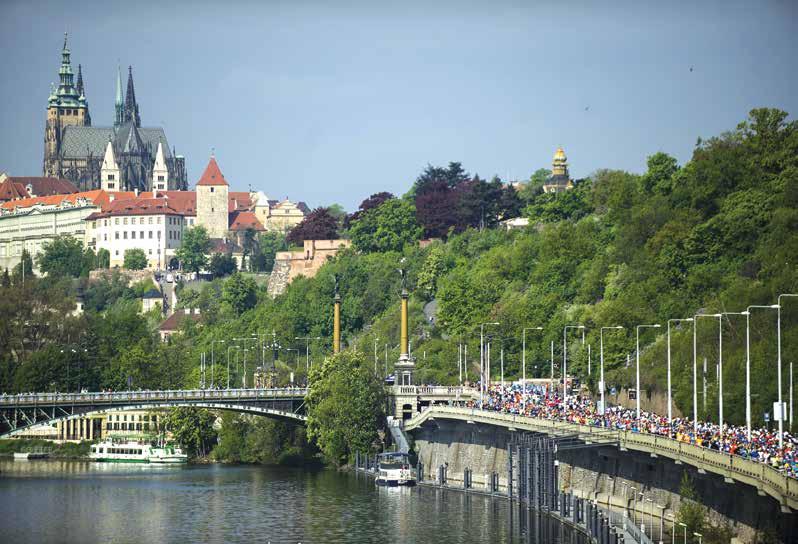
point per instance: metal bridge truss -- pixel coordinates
(19, 412)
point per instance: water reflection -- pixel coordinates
(67, 501)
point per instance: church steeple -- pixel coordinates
(131, 107)
(80, 81)
(66, 88)
(119, 105)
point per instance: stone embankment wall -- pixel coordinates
(307, 262)
(606, 474)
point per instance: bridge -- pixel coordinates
(764, 478)
(19, 412)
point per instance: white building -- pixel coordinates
(30, 223)
(150, 224)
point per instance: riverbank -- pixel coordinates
(65, 450)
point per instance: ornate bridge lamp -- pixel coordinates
(336, 318)
(406, 365)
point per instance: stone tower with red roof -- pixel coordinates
(212, 201)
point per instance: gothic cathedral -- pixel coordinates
(77, 151)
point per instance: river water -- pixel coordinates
(45, 501)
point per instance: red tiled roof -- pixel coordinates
(173, 322)
(46, 186)
(212, 174)
(238, 200)
(97, 196)
(243, 220)
(136, 206)
(12, 191)
(184, 202)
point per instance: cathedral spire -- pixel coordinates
(80, 81)
(131, 107)
(119, 105)
(66, 86)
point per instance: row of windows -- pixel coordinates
(116, 252)
(129, 426)
(133, 417)
(120, 451)
(141, 235)
(143, 220)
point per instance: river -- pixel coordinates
(46, 501)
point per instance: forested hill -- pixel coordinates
(716, 234)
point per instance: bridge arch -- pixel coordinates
(280, 415)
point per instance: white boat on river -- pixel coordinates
(130, 451)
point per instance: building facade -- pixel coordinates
(30, 223)
(74, 149)
(149, 224)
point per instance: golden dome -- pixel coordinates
(559, 155)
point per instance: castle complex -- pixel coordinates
(77, 151)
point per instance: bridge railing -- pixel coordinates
(769, 479)
(122, 396)
(434, 390)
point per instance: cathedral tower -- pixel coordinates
(160, 174)
(212, 201)
(109, 173)
(66, 106)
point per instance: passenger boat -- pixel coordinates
(131, 451)
(394, 469)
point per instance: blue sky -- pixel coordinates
(328, 104)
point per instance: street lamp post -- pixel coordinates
(228, 363)
(685, 531)
(778, 348)
(695, 367)
(700, 537)
(307, 340)
(637, 364)
(601, 361)
(565, 360)
(523, 352)
(670, 391)
(213, 360)
(375, 355)
(720, 368)
(482, 386)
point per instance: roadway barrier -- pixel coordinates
(765, 478)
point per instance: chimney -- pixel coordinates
(136, 191)
(235, 204)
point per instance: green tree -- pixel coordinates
(661, 170)
(386, 228)
(194, 248)
(221, 265)
(135, 259)
(62, 256)
(433, 268)
(534, 186)
(103, 258)
(240, 293)
(192, 429)
(346, 406)
(269, 243)
(23, 270)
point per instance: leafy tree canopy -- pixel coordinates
(346, 406)
(194, 248)
(319, 224)
(386, 228)
(135, 259)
